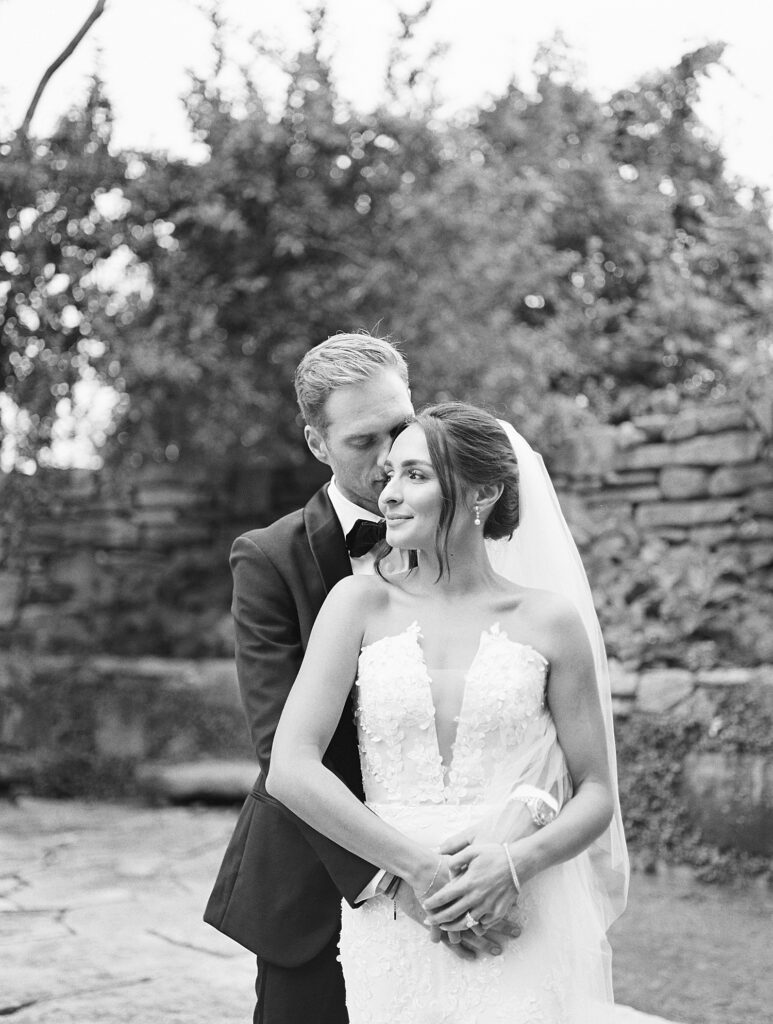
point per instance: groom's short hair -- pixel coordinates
(338, 362)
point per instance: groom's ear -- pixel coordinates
(316, 442)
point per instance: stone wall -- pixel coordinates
(674, 517)
(102, 725)
(115, 635)
(673, 513)
(704, 475)
(132, 566)
(725, 779)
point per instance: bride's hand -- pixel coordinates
(483, 887)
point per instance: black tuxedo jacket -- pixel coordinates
(279, 887)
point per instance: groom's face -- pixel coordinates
(361, 422)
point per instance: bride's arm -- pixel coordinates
(298, 778)
(486, 887)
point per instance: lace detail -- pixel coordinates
(504, 691)
(396, 722)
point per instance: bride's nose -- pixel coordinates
(390, 494)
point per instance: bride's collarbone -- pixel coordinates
(468, 613)
(450, 633)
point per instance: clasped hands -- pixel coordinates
(473, 880)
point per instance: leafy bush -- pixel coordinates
(664, 604)
(651, 753)
(551, 253)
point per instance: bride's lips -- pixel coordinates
(397, 521)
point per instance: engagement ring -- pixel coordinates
(469, 921)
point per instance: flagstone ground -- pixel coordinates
(100, 923)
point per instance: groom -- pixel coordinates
(279, 888)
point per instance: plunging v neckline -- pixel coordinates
(413, 633)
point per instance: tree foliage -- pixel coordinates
(552, 256)
(54, 236)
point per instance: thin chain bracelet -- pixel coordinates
(429, 887)
(513, 872)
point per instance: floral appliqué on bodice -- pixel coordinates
(504, 691)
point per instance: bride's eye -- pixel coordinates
(416, 475)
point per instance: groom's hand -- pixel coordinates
(407, 903)
(466, 945)
(469, 944)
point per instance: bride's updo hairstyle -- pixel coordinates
(468, 448)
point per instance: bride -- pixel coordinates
(480, 679)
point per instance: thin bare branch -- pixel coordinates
(51, 70)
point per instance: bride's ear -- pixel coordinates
(486, 496)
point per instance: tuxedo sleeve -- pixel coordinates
(268, 658)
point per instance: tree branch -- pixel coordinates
(96, 13)
(408, 25)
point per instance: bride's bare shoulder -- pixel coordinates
(548, 609)
(366, 592)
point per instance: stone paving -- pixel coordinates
(100, 918)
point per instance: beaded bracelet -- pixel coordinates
(513, 872)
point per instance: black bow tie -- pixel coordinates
(363, 536)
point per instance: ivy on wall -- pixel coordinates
(651, 754)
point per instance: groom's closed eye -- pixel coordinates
(362, 442)
(368, 440)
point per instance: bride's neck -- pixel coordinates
(467, 569)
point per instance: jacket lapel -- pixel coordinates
(326, 541)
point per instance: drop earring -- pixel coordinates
(477, 515)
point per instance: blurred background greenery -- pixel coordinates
(556, 257)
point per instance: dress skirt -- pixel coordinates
(558, 971)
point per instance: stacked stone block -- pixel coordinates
(116, 565)
(704, 475)
(696, 487)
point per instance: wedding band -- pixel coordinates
(469, 921)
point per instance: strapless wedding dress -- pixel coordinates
(558, 970)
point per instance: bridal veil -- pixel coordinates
(543, 554)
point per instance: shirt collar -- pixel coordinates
(347, 512)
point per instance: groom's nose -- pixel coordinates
(383, 453)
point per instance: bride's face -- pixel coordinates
(412, 498)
